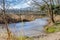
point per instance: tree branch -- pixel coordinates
(36, 3)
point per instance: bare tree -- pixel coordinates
(48, 5)
(4, 18)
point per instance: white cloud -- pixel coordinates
(29, 2)
(18, 6)
(22, 5)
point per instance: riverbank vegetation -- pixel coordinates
(49, 7)
(21, 38)
(53, 28)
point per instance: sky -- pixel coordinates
(17, 4)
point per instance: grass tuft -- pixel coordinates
(50, 29)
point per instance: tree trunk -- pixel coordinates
(51, 11)
(52, 17)
(8, 32)
(4, 17)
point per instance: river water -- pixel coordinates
(28, 28)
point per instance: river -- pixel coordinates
(28, 28)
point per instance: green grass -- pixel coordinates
(21, 38)
(53, 28)
(25, 38)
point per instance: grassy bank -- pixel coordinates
(22, 38)
(53, 28)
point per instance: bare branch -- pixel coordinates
(36, 3)
(46, 2)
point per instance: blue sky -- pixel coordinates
(18, 3)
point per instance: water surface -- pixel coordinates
(29, 28)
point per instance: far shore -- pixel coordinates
(15, 18)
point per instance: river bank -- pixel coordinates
(15, 18)
(52, 36)
(12, 18)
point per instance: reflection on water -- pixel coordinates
(30, 28)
